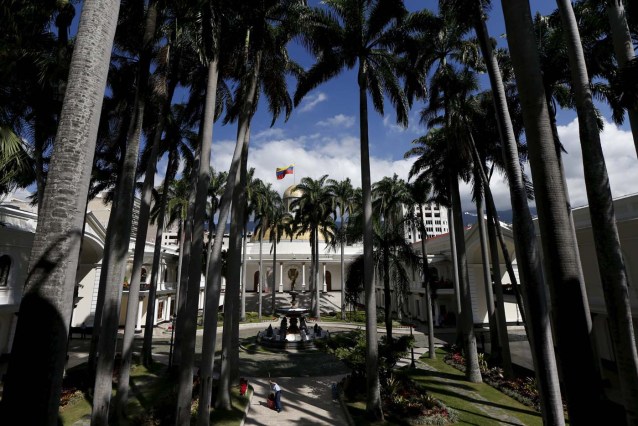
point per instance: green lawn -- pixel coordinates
(476, 403)
(236, 415)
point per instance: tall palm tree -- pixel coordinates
(624, 51)
(122, 221)
(601, 209)
(279, 224)
(201, 177)
(362, 34)
(265, 28)
(389, 195)
(312, 212)
(266, 196)
(342, 194)
(34, 377)
(572, 321)
(419, 195)
(253, 197)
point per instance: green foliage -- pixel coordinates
(351, 349)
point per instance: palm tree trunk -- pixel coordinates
(495, 347)
(260, 279)
(624, 51)
(147, 349)
(465, 316)
(231, 299)
(572, 323)
(318, 285)
(501, 319)
(313, 291)
(34, 377)
(123, 222)
(202, 163)
(171, 169)
(182, 273)
(343, 280)
(427, 289)
(613, 274)
(213, 288)
(455, 268)
(140, 241)
(387, 294)
(527, 253)
(273, 297)
(374, 409)
(243, 280)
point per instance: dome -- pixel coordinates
(292, 192)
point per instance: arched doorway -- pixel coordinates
(328, 281)
(256, 281)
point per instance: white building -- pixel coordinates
(18, 221)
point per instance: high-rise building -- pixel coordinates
(435, 217)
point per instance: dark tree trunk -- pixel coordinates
(465, 316)
(374, 408)
(34, 377)
(611, 264)
(572, 323)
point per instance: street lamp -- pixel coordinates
(170, 353)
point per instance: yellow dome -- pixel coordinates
(292, 192)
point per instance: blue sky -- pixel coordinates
(321, 136)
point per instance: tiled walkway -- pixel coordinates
(304, 401)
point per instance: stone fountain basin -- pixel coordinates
(292, 312)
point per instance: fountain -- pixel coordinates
(293, 331)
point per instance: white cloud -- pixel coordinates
(339, 120)
(315, 155)
(272, 132)
(311, 101)
(337, 157)
(414, 125)
(620, 158)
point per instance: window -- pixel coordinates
(144, 275)
(5, 267)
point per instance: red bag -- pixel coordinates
(271, 401)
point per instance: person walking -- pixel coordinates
(277, 391)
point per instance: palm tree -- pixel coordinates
(313, 211)
(34, 377)
(572, 321)
(201, 177)
(365, 34)
(437, 157)
(624, 51)
(171, 170)
(266, 196)
(342, 194)
(389, 195)
(122, 221)
(279, 224)
(253, 197)
(601, 209)
(266, 28)
(419, 194)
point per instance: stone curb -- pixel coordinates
(344, 407)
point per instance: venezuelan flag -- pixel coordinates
(283, 171)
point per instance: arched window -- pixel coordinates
(5, 267)
(144, 275)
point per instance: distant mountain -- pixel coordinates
(470, 218)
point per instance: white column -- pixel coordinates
(281, 277)
(325, 288)
(303, 277)
(140, 311)
(168, 308)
